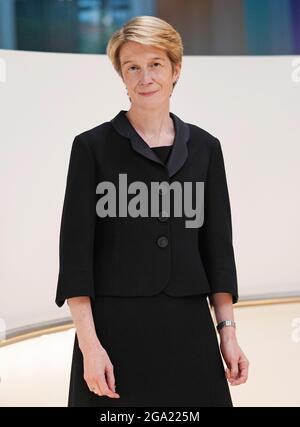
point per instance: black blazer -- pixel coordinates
(126, 256)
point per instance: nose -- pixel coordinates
(146, 77)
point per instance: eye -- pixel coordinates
(156, 63)
(133, 66)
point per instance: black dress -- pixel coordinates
(164, 350)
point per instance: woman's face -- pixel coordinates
(147, 69)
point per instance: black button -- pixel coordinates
(163, 216)
(162, 241)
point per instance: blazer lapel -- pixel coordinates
(179, 151)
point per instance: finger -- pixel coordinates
(105, 390)
(234, 370)
(244, 366)
(95, 389)
(110, 378)
(243, 373)
(242, 378)
(227, 373)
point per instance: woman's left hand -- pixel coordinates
(235, 359)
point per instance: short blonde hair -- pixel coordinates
(147, 30)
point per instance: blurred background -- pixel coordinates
(215, 27)
(240, 81)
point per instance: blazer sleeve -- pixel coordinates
(215, 235)
(76, 240)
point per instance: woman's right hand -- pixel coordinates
(99, 372)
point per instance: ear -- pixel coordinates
(176, 72)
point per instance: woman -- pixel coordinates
(136, 282)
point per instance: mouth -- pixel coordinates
(148, 93)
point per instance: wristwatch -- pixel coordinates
(225, 323)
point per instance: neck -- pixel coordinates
(151, 123)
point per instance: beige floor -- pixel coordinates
(36, 372)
